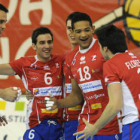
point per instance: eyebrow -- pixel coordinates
(83, 29)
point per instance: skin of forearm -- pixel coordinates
(108, 114)
(70, 101)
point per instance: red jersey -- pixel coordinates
(40, 78)
(73, 112)
(125, 69)
(87, 68)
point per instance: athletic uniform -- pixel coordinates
(87, 68)
(124, 68)
(70, 114)
(41, 78)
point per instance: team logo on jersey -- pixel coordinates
(73, 62)
(34, 78)
(82, 59)
(58, 76)
(93, 57)
(33, 66)
(92, 70)
(46, 67)
(36, 91)
(57, 65)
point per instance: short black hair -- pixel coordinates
(81, 17)
(3, 8)
(113, 38)
(39, 31)
(70, 16)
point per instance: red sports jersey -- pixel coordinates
(40, 78)
(73, 112)
(125, 68)
(87, 68)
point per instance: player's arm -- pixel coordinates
(10, 94)
(111, 110)
(73, 99)
(6, 69)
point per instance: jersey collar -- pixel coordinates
(85, 50)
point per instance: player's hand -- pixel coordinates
(3, 121)
(29, 95)
(51, 102)
(11, 94)
(89, 131)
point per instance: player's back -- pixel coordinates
(126, 67)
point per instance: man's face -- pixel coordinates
(83, 33)
(3, 20)
(69, 34)
(43, 47)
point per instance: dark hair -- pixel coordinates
(113, 38)
(38, 31)
(3, 8)
(71, 16)
(81, 17)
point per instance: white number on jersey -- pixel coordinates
(31, 134)
(48, 80)
(86, 75)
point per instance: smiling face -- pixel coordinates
(70, 35)
(3, 20)
(83, 33)
(43, 47)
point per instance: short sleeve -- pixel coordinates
(111, 73)
(17, 66)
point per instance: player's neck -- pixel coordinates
(74, 45)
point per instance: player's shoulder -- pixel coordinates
(58, 57)
(27, 58)
(72, 53)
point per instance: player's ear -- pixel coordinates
(105, 49)
(34, 46)
(93, 29)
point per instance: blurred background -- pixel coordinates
(26, 15)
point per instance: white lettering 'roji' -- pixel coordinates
(132, 64)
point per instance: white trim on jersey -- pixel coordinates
(129, 110)
(28, 113)
(112, 83)
(24, 80)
